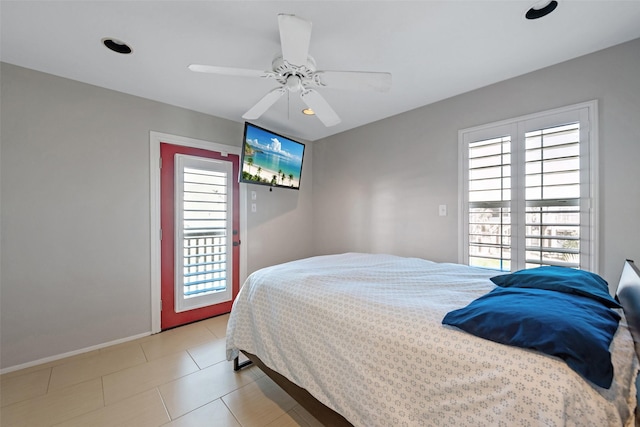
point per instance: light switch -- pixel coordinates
(254, 195)
(254, 207)
(442, 210)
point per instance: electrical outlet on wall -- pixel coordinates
(442, 210)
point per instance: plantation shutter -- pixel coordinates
(552, 190)
(490, 202)
(527, 191)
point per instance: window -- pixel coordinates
(528, 191)
(203, 224)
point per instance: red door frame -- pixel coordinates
(169, 318)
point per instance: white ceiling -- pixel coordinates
(434, 49)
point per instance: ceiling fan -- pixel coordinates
(296, 72)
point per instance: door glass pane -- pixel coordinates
(203, 226)
(205, 232)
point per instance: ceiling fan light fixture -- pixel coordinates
(116, 45)
(541, 9)
(308, 112)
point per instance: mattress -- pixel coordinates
(363, 334)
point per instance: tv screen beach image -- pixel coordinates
(271, 159)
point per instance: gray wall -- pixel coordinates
(377, 188)
(75, 267)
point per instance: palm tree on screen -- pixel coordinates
(250, 163)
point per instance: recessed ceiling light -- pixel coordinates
(540, 9)
(116, 45)
(308, 112)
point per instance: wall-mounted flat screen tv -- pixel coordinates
(270, 159)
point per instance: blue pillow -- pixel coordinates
(561, 279)
(574, 328)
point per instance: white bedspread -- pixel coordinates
(363, 334)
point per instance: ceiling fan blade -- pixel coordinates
(356, 80)
(263, 105)
(295, 35)
(229, 71)
(320, 106)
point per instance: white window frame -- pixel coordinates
(586, 113)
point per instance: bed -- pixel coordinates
(358, 339)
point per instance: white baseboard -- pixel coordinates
(71, 353)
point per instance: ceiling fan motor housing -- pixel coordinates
(294, 77)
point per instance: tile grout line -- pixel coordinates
(104, 401)
(164, 405)
(203, 405)
(49, 380)
(229, 409)
(144, 352)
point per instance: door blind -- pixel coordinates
(205, 231)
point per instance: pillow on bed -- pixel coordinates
(561, 279)
(576, 329)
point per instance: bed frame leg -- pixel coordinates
(237, 365)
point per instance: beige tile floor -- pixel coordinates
(176, 378)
